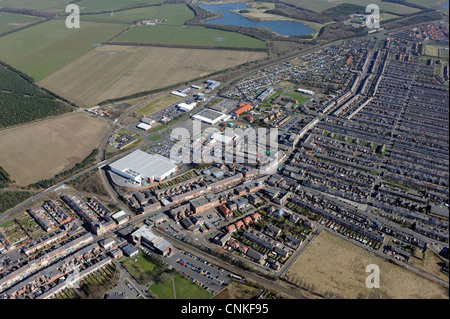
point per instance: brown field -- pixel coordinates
(42, 149)
(336, 268)
(116, 71)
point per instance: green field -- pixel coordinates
(43, 49)
(320, 5)
(184, 289)
(10, 21)
(34, 4)
(128, 16)
(175, 14)
(101, 5)
(181, 35)
(158, 104)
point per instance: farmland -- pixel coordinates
(107, 5)
(42, 49)
(126, 16)
(33, 4)
(336, 268)
(321, 5)
(10, 21)
(115, 71)
(193, 35)
(42, 149)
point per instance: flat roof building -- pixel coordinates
(141, 167)
(210, 116)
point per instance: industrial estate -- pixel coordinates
(94, 204)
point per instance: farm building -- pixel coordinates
(140, 166)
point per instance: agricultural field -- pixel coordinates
(334, 267)
(116, 71)
(175, 13)
(192, 35)
(43, 49)
(42, 149)
(126, 16)
(34, 4)
(102, 5)
(9, 21)
(321, 5)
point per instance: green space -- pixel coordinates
(43, 49)
(158, 104)
(175, 13)
(9, 199)
(128, 16)
(321, 5)
(193, 35)
(298, 96)
(21, 101)
(143, 269)
(107, 5)
(9, 21)
(184, 289)
(34, 4)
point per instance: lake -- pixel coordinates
(446, 5)
(231, 18)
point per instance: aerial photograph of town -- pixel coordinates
(225, 155)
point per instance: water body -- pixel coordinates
(231, 18)
(446, 5)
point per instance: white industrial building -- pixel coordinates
(142, 167)
(305, 91)
(187, 107)
(145, 237)
(210, 116)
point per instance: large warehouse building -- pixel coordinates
(210, 116)
(141, 167)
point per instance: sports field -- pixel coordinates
(10, 21)
(42, 149)
(42, 49)
(115, 71)
(184, 289)
(334, 267)
(192, 35)
(320, 5)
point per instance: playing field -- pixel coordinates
(320, 5)
(192, 35)
(334, 267)
(42, 49)
(116, 71)
(184, 289)
(40, 150)
(10, 21)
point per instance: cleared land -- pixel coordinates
(42, 49)
(9, 21)
(115, 71)
(193, 35)
(158, 104)
(320, 5)
(334, 267)
(42, 149)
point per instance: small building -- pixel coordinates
(129, 250)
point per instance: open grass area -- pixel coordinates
(158, 104)
(34, 4)
(43, 49)
(321, 5)
(174, 13)
(142, 268)
(184, 289)
(9, 21)
(192, 35)
(431, 50)
(116, 71)
(128, 16)
(334, 267)
(101, 5)
(42, 149)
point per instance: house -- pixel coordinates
(230, 228)
(294, 218)
(222, 239)
(247, 220)
(273, 231)
(256, 217)
(256, 256)
(239, 224)
(225, 211)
